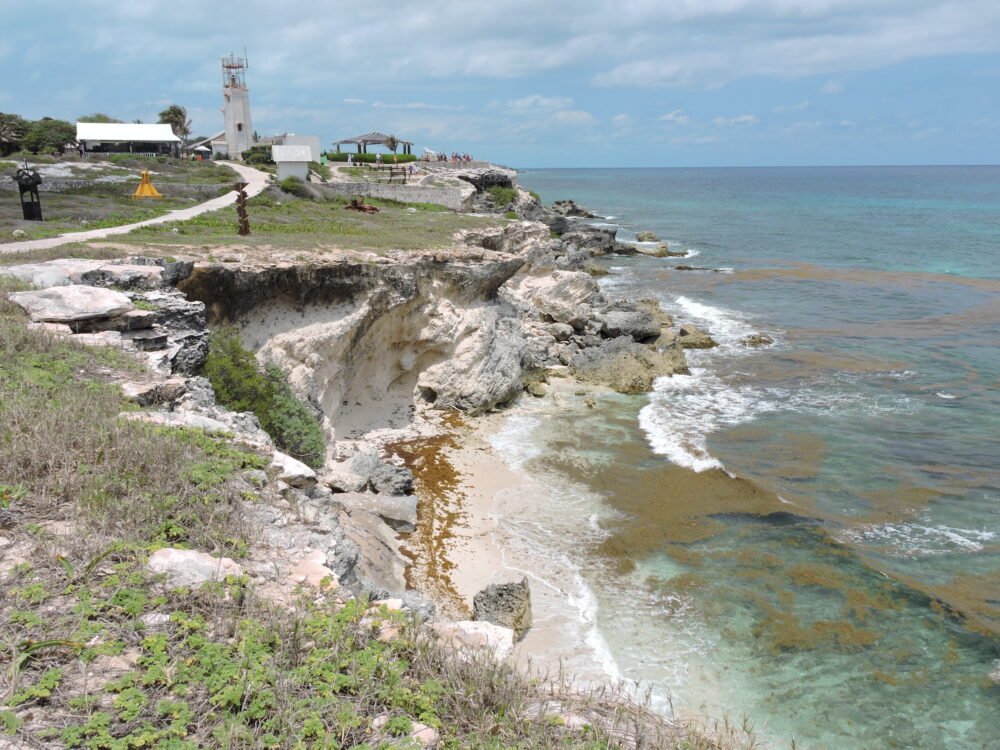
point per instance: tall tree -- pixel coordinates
(177, 118)
(12, 130)
(47, 135)
(97, 117)
(392, 143)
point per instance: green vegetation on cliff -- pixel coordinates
(242, 385)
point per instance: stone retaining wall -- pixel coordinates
(453, 198)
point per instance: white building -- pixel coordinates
(312, 141)
(292, 161)
(127, 138)
(236, 106)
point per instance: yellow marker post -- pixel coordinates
(146, 189)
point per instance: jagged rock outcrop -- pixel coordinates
(628, 319)
(486, 177)
(757, 339)
(626, 366)
(692, 337)
(505, 604)
(571, 208)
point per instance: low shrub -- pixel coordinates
(242, 385)
(321, 169)
(258, 155)
(295, 186)
(370, 158)
(503, 196)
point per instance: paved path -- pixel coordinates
(256, 180)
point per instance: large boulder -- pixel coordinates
(186, 567)
(558, 296)
(594, 241)
(467, 637)
(292, 472)
(484, 370)
(692, 337)
(628, 319)
(626, 366)
(389, 479)
(647, 237)
(505, 604)
(70, 304)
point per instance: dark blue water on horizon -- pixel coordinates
(875, 415)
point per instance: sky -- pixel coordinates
(530, 83)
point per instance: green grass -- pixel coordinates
(291, 223)
(100, 205)
(63, 444)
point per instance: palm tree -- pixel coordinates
(176, 117)
(392, 143)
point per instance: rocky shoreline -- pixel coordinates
(384, 349)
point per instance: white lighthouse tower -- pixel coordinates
(236, 106)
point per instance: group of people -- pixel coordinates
(455, 158)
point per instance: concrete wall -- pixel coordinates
(453, 198)
(298, 169)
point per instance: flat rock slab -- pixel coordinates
(70, 271)
(177, 419)
(69, 304)
(186, 567)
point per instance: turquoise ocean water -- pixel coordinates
(866, 615)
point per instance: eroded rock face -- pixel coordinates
(647, 237)
(505, 604)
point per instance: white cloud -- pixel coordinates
(621, 120)
(354, 101)
(833, 87)
(419, 105)
(677, 117)
(800, 107)
(537, 101)
(728, 122)
(573, 117)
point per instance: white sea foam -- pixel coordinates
(685, 409)
(921, 539)
(513, 440)
(728, 327)
(946, 396)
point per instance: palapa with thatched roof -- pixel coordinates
(375, 139)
